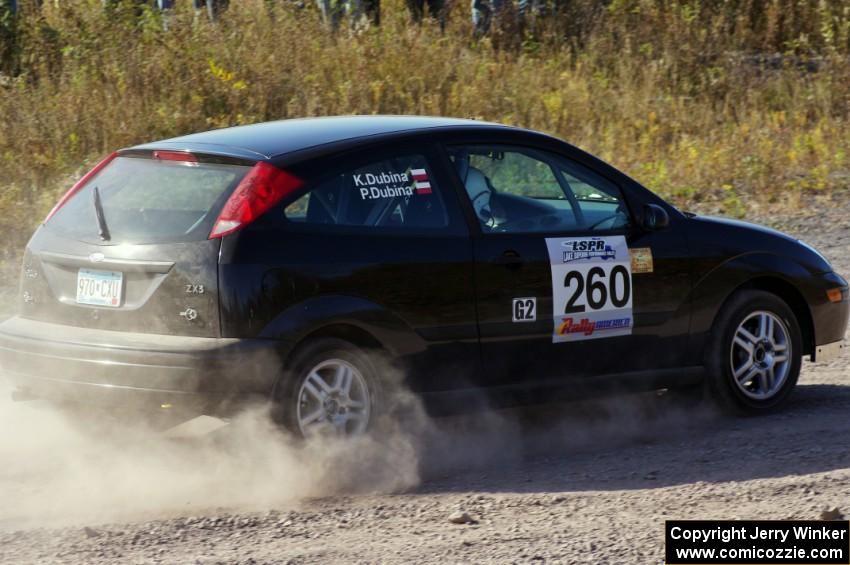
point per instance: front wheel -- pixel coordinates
(755, 353)
(332, 389)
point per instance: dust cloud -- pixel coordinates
(59, 468)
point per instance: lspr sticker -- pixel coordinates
(591, 287)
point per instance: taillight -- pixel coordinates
(80, 184)
(264, 186)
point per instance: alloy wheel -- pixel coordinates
(334, 399)
(761, 355)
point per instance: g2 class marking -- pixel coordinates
(524, 309)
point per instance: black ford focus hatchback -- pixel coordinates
(282, 260)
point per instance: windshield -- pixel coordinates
(148, 201)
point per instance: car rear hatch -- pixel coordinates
(129, 248)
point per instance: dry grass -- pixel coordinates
(672, 92)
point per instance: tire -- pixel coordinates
(311, 399)
(756, 336)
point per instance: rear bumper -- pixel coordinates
(202, 375)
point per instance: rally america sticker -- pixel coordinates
(591, 287)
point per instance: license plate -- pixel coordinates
(99, 288)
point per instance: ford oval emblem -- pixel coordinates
(97, 257)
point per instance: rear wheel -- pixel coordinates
(332, 389)
(755, 353)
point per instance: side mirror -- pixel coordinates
(655, 217)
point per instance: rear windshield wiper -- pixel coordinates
(102, 228)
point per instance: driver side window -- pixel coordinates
(521, 190)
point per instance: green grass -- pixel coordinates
(680, 95)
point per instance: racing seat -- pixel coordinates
(476, 184)
(474, 181)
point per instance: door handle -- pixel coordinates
(509, 258)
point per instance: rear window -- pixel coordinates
(148, 201)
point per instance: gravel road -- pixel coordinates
(580, 483)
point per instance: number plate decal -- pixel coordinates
(99, 288)
(591, 287)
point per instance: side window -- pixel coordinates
(520, 190)
(601, 202)
(397, 192)
(514, 173)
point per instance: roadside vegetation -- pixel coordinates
(727, 105)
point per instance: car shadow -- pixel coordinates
(636, 442)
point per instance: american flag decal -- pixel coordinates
(420, 181)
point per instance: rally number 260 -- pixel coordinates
(598, 289)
